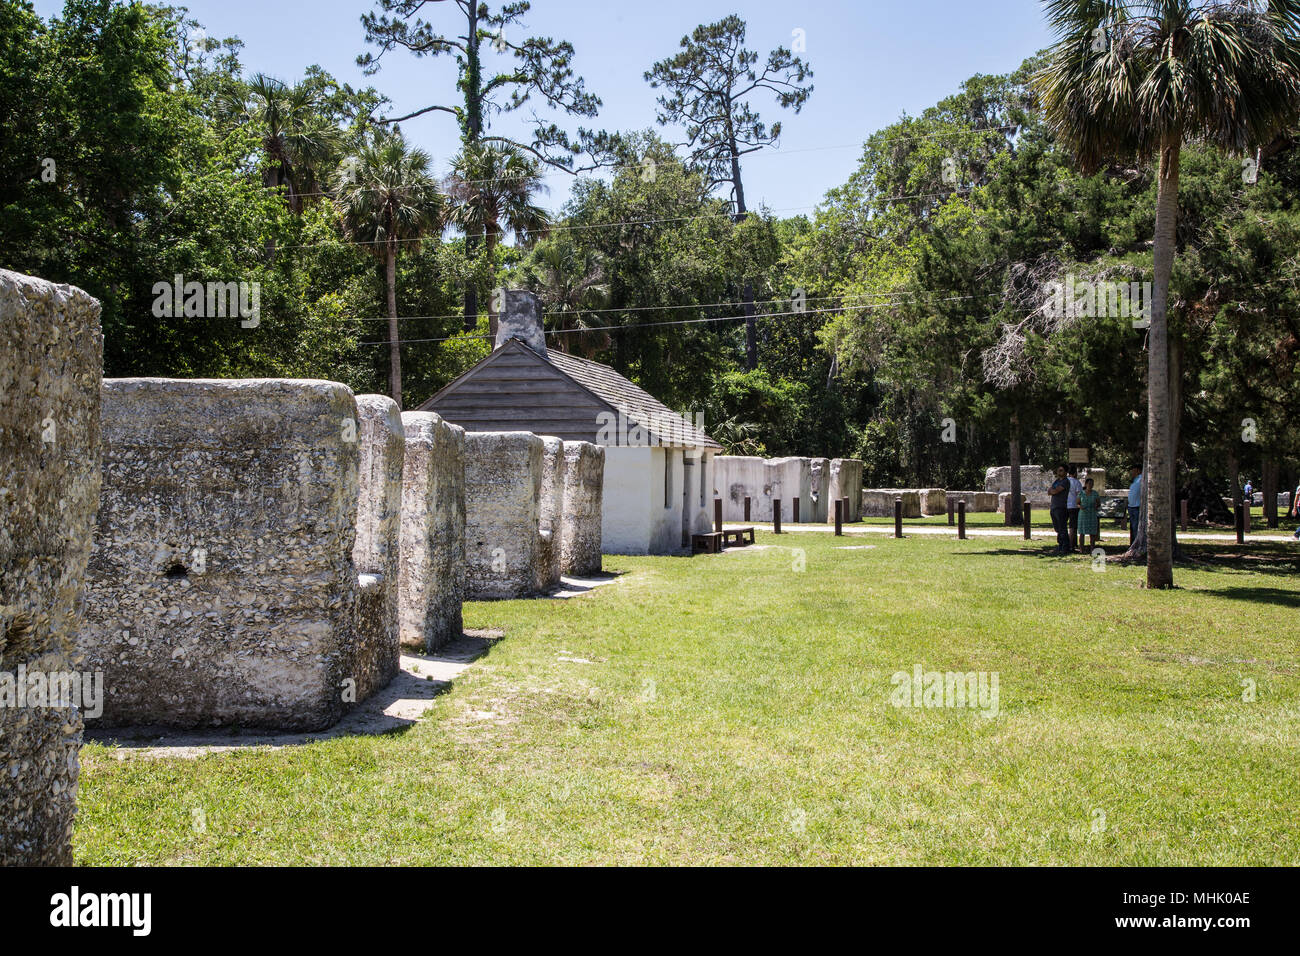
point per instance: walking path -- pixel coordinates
(1039, 534)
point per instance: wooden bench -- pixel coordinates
(710, 543)
(737, 536)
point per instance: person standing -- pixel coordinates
(1060, 492)
(1072, 506)
(1090, 513)
(1134, 497)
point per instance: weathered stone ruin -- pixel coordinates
(376, 552)
(765, 480)
(934, 501)
(879, 502)
(432, 582)
(550, 522)
(975, 500)
(51, 352)
(584, 482)
(222, 589)
(503, 480)
(846, 482)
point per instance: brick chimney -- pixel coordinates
(521, 318)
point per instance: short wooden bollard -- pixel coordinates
(839, 516)
(776, 515)
(951, 509)
(717, 515)
(1241, 525)
(961, 521)
(898, 517)
(1029, 511)
(746, 507)
(1183, 513)
(794, 510)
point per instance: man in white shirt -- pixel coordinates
(1072, 506)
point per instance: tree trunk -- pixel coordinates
(1175, 433)
(394, 349)
(1158, 477)
(473, 130)
(1014, 513)
(489, 247)
(1269, 479)
(747, 295)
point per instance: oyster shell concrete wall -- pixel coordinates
(1035, 480)
(51, 353)
(503, 479)
(975, 500)
(879, 502)
(734, 477)
(934, 501)
(221, 586)
(376, 552)
(584, 485)
(846, 482)
(550, 505)
(432, 584)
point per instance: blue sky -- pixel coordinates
(872, 61)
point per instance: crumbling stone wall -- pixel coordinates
(584, 483)
(846, 482)
(879, 502)
(221, 587)
(819, 507)
(934, 501)
(975, 500)
(734, 477)
(503, 479)
(51, 353)
(432, 584)
(376, 552)
(550, 505)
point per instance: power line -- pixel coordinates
(650, 325)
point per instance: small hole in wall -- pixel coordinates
(176, 570)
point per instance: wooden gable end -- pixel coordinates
(514, 389)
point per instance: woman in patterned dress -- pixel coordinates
(1089, 520)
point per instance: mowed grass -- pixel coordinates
(732, 709)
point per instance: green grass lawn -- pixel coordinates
(732, 709)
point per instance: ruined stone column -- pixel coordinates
(376, 553)
(221, 586)
(432, 585)
(550, 506)
(846, 482)
(51, 355)
(503, 478)
(584, 484)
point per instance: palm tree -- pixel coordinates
(299, 140)
(492, 186)
(571, 284)
(1142, 77)
(387, 199)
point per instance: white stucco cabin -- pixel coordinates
(658, 481)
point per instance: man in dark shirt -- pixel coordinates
(1060, 492)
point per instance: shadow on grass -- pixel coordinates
(1256, 595)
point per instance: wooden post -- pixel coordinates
(961, 520)
(839, 516)
(898, 517)
(1028, 521)
(794, 510)
(951, 510)
(717, 515)
(746, 507)
(776, 515)
(1183, 513)
(1241, 524)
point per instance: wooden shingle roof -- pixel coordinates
(515, 388)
